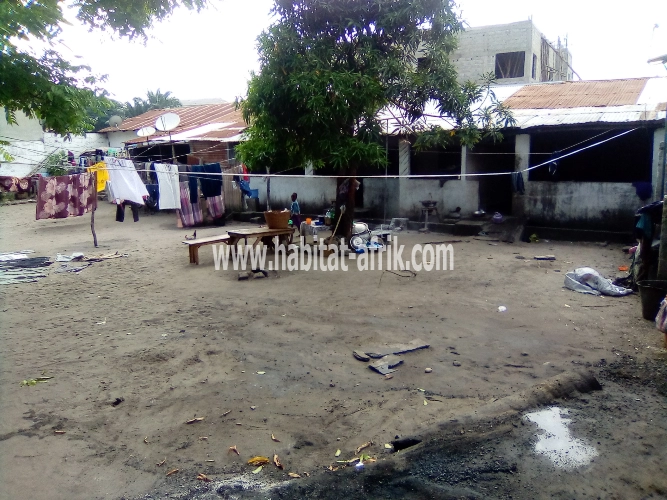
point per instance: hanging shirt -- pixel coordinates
(125, 181)
(102, 175)
(170, 191)
(65, 196)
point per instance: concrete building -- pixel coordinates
(514, 53)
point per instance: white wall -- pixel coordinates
(77, 144)
(117, 139)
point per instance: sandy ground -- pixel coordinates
(183, 341)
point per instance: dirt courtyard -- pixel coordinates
(169, 341)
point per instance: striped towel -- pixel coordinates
(216, 206)
(191, 213)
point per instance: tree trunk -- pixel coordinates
(345, 226)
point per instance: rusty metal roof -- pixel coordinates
(213, 122)
(582, 94)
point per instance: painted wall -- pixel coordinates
(117, 139)
(315, 193)
(77, 144)
(454, 193)
(581, 205)
(381, 194)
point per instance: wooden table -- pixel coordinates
(261, 235)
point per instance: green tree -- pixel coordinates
(65, 97)
(154, 100)
(328, 67)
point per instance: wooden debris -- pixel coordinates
(293, 474)
(227, 413)
(545, 257)
(173, 471)
(367, 444)
(59, 432)
(160, 464)
(195, 420)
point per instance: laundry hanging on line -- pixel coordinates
(169, 188)
(102, 175)
(14, 184)
(211, 185)
(65, 196)
(190, 213)
(125, 183)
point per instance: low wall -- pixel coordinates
(581, 205)
(453, 193)
(315, 193)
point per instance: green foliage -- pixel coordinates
(328, 67)
(65, 97)
(154, 100)
(55, 164)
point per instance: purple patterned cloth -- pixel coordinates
(216, 206)
(191, 213)
(14, 184)
(65, 196)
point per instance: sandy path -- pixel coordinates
(197, 339)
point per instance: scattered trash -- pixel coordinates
(385, 364)
(565, 305)
(68, 258)
(545, 257)
(259, 460)
(502, 309)
(520, 257)
(146, 440)
(421, 390)
(117, 401)
(276, 461)
(258, 469)
(533, 238)
(428, 370)
(59, 432)
(293, 474)
(425, 402)
(456, 363)
(195, 420)
(203, 477)
(160, 464)
(337, 454)
(360, 356)
(274, 438)
(227, 413)
(253, 407)
(378, 352)
(588, 280)
(261, 373)
(388, 376)
(173, 471)
(67, 268)
(367, 444)
(102, 322)
(623, 268)
(388, 446)
(556, 442)
(233, 449)
(34, 381)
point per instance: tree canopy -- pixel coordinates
(328, 67)
(64, 96)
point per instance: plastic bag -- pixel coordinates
(588, 280)
(661, 318)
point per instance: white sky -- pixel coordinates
(211, 54)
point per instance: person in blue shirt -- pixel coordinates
(295, 212)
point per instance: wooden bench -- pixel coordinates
(193, 245)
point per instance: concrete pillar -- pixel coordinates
(521, 162)
(464, 163)
(309, 168)
(403, 184)
(657, 178)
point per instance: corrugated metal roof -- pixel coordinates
(648, 105)
(205, 122)
(581, 94)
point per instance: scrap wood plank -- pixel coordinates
(381, 351)
(384, 365)
(545, 257)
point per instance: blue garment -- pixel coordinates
(517, 181)
(211, 185)
(245, 188)
(295, 208)
(644, 190)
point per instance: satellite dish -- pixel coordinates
(168, 121)
(115, 120)
(145, 131)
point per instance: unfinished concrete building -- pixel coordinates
(514, 53)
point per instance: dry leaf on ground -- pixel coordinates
(293, 474)
(203, 477)
(274, 438)
(276, 461)
(258, 461)
(258, 469)
(173, 471)
(160, 464)
(233, 448)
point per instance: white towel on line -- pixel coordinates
(125, 181)
(170, 191)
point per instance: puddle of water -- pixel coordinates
(556, 442)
